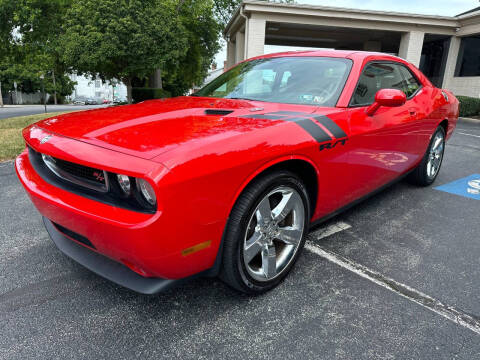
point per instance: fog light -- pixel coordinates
(147, 191)
(124, 182)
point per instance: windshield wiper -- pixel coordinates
(242, 98)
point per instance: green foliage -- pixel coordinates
(202, 31)
(113, 39)
(469, 106)
(122, 39)
(29, 39)
(224, 9)
(142, 94)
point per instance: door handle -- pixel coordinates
(412, 111)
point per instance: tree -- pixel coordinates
(6, 27)
(29, 33)
(123, 39)
(203, 34)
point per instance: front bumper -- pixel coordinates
(150, 244)
(105, 267)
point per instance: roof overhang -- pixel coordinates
(447, 25)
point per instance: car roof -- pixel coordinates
(347, 54)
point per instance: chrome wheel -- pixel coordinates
(435, 155)
(274, 233)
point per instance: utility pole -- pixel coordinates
(1, 96)
(16, 92)
(54, 87)
(42, 77)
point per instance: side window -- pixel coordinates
(411, 83)
(376, 76)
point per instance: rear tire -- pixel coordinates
(265, 233)
(426, 172)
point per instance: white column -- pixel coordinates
(255, 36)
(239, 47)
(411, 46)
(230, 55)
(452, 55)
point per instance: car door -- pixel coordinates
(383, 145)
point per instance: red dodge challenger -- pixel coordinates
(227, 182)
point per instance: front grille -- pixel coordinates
(92, 178)
(71, 234)
(81, 171)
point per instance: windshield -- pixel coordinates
(295, 80)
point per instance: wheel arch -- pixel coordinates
(444, 124)
(301, 166)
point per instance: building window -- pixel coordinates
(98, 83)
(468, 62)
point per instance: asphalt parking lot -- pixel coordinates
(395, 277)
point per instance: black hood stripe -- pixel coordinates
(304, 120)
(313, 129)
(331, 126)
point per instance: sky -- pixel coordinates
(429, 7)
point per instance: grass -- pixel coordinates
(11, 140)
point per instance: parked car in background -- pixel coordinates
(117, 100)
(80, 100)
(228, 181)
(106, 101)
(94, 101)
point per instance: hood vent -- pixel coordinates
(217, 112)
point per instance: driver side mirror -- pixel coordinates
(387, 98)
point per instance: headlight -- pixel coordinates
(147, 191)
(124, 182)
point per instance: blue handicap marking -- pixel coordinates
(468, 186)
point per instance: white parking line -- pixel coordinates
(330, 230)
(477, 136)
(448, 312)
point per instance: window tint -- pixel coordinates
(374, 77)
(296, 80)
(411, 83)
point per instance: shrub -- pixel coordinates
(141, 94)
(469, 106)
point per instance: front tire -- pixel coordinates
(426, 172)
(265, 232)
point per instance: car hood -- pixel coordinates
(151, 128)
